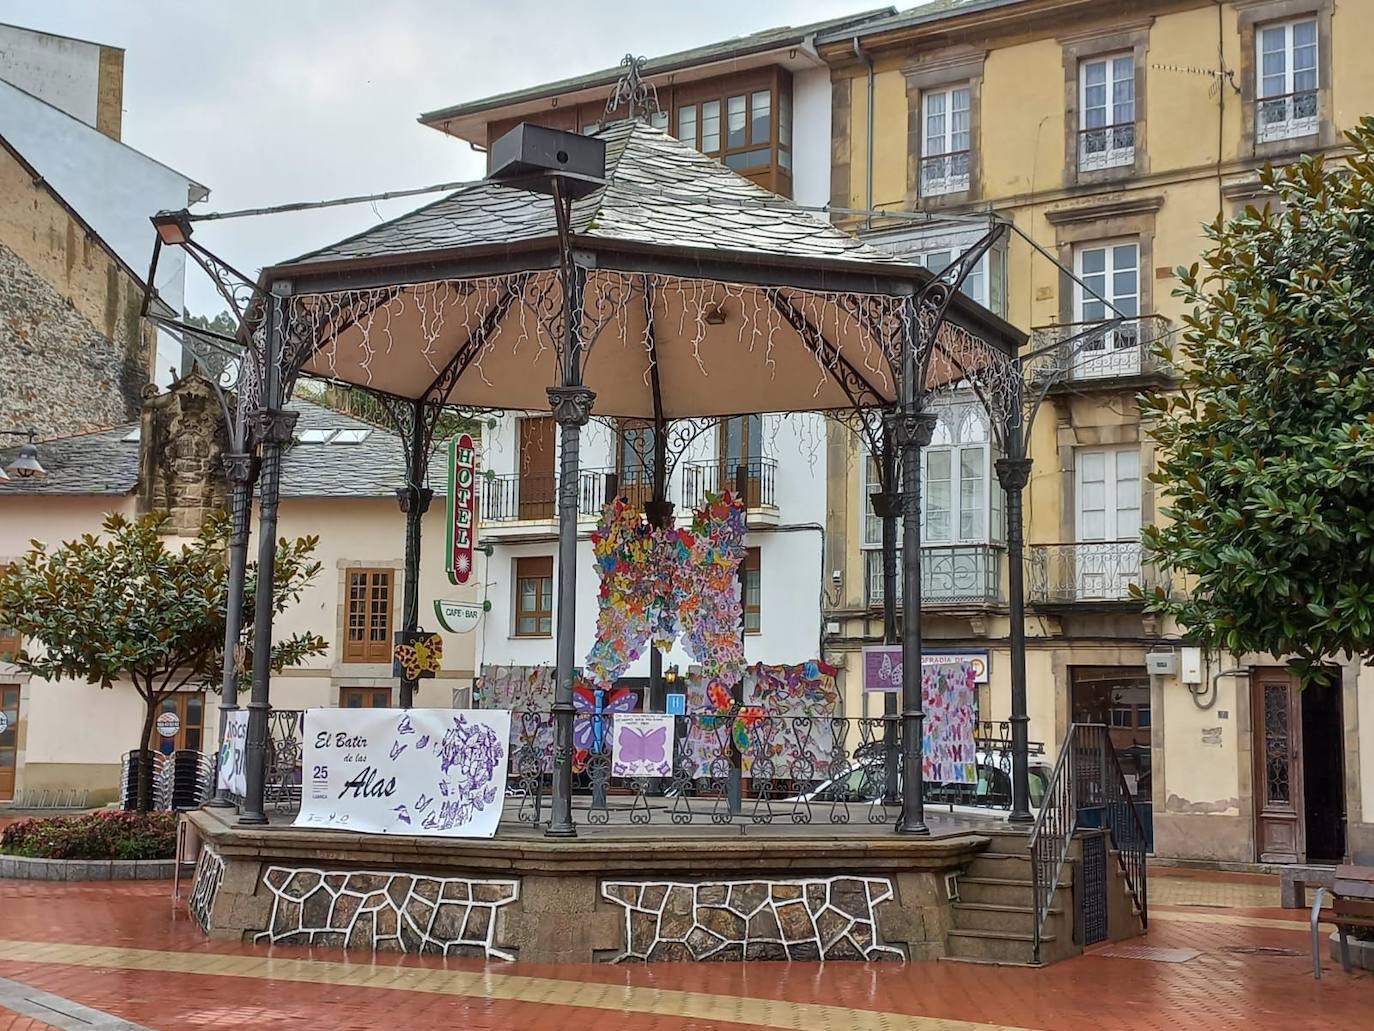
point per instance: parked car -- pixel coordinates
(863, 780)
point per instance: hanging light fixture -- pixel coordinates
(25, 465)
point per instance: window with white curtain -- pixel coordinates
(946, 141)
(961, 501)
(1286, 90)
(1106, 105)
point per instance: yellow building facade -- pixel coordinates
(1108, 133)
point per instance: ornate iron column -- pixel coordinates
(913, 429)
(273, 432)
(572, 408)
(238, 471)
(887, 506)
(1013, 473)
(414, 499)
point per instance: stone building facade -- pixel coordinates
(75, 351)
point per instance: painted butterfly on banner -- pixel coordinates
(421, 657)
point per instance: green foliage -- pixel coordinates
(1266, 454)
(123, 606)
(100, 835)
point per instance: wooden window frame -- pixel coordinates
(639, 490)
(534, 567)
(366, 694)
(752, 563)
(180, 701)
(774, 175)
(368, 650)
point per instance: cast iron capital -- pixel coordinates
(238, 468)
(886, 504)
(414, 497)
(275, 427)
(912, 427)
(572, 406)
(1013, 473)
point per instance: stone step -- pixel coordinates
(984, 916)
(1006, 891)
(991, 946)
(1000, 865)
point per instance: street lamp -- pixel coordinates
(26, 465)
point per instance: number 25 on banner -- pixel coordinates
(462, 507)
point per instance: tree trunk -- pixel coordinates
(144, 801)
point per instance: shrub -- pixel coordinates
(99, 835)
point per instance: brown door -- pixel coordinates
(536, 468)
(189, 709)
(9, 738)
(1276, 716)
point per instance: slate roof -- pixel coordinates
(738, 46)
(105, 462)
(935, 10)
(659, 191)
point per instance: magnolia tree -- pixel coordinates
(122, 606)
(1266, 453)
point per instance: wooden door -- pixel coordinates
(9, 739)
(189, 708)
(1276, 716)
(536, 479)
(741, 445)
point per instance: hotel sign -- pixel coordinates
(462, 508)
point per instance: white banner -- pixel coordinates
(232, 775)
(642, 745)
(405, 771)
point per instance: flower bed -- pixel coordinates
(99, 835)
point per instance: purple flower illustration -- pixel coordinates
(469, 757)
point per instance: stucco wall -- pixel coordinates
(86, 80)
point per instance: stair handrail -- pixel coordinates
(1127, 831)
(1051, 835)
(1050, 838)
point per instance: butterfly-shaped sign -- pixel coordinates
(642, 746)
(589, 722)
(419, 657)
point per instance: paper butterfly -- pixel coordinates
(588, 726)
(421, 657)
(641, 746)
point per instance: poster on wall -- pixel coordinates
(232, 776)
(642, 745)
(883, 664)
(948, 752)
(406, 771)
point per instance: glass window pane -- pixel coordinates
(710, 127)
(1305, 34)
(687, 124)
(525, 625)
(735, 122)
(546, 594)
(785, 119)
(749, 158)
(971, 491)
(760, 117)
(545, 625)
(1093, 260)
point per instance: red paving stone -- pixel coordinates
(1245, 977)
(11, 1021)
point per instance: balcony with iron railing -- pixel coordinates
(959, 574)
(1287, 117)
(1106, 146)
(712, 477)
(945, 173)
(533, 497)
(1088, 572)
(1081, 352)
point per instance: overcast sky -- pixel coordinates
(271, 102)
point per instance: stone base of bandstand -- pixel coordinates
(612, 894)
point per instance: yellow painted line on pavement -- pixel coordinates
(1270, 922)
(488, 985)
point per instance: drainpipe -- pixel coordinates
(868, 140)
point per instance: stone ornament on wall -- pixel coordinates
(828, 918)
(205, 887)
(385, 912)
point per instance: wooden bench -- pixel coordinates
(1352, 905)
(1295, 880)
